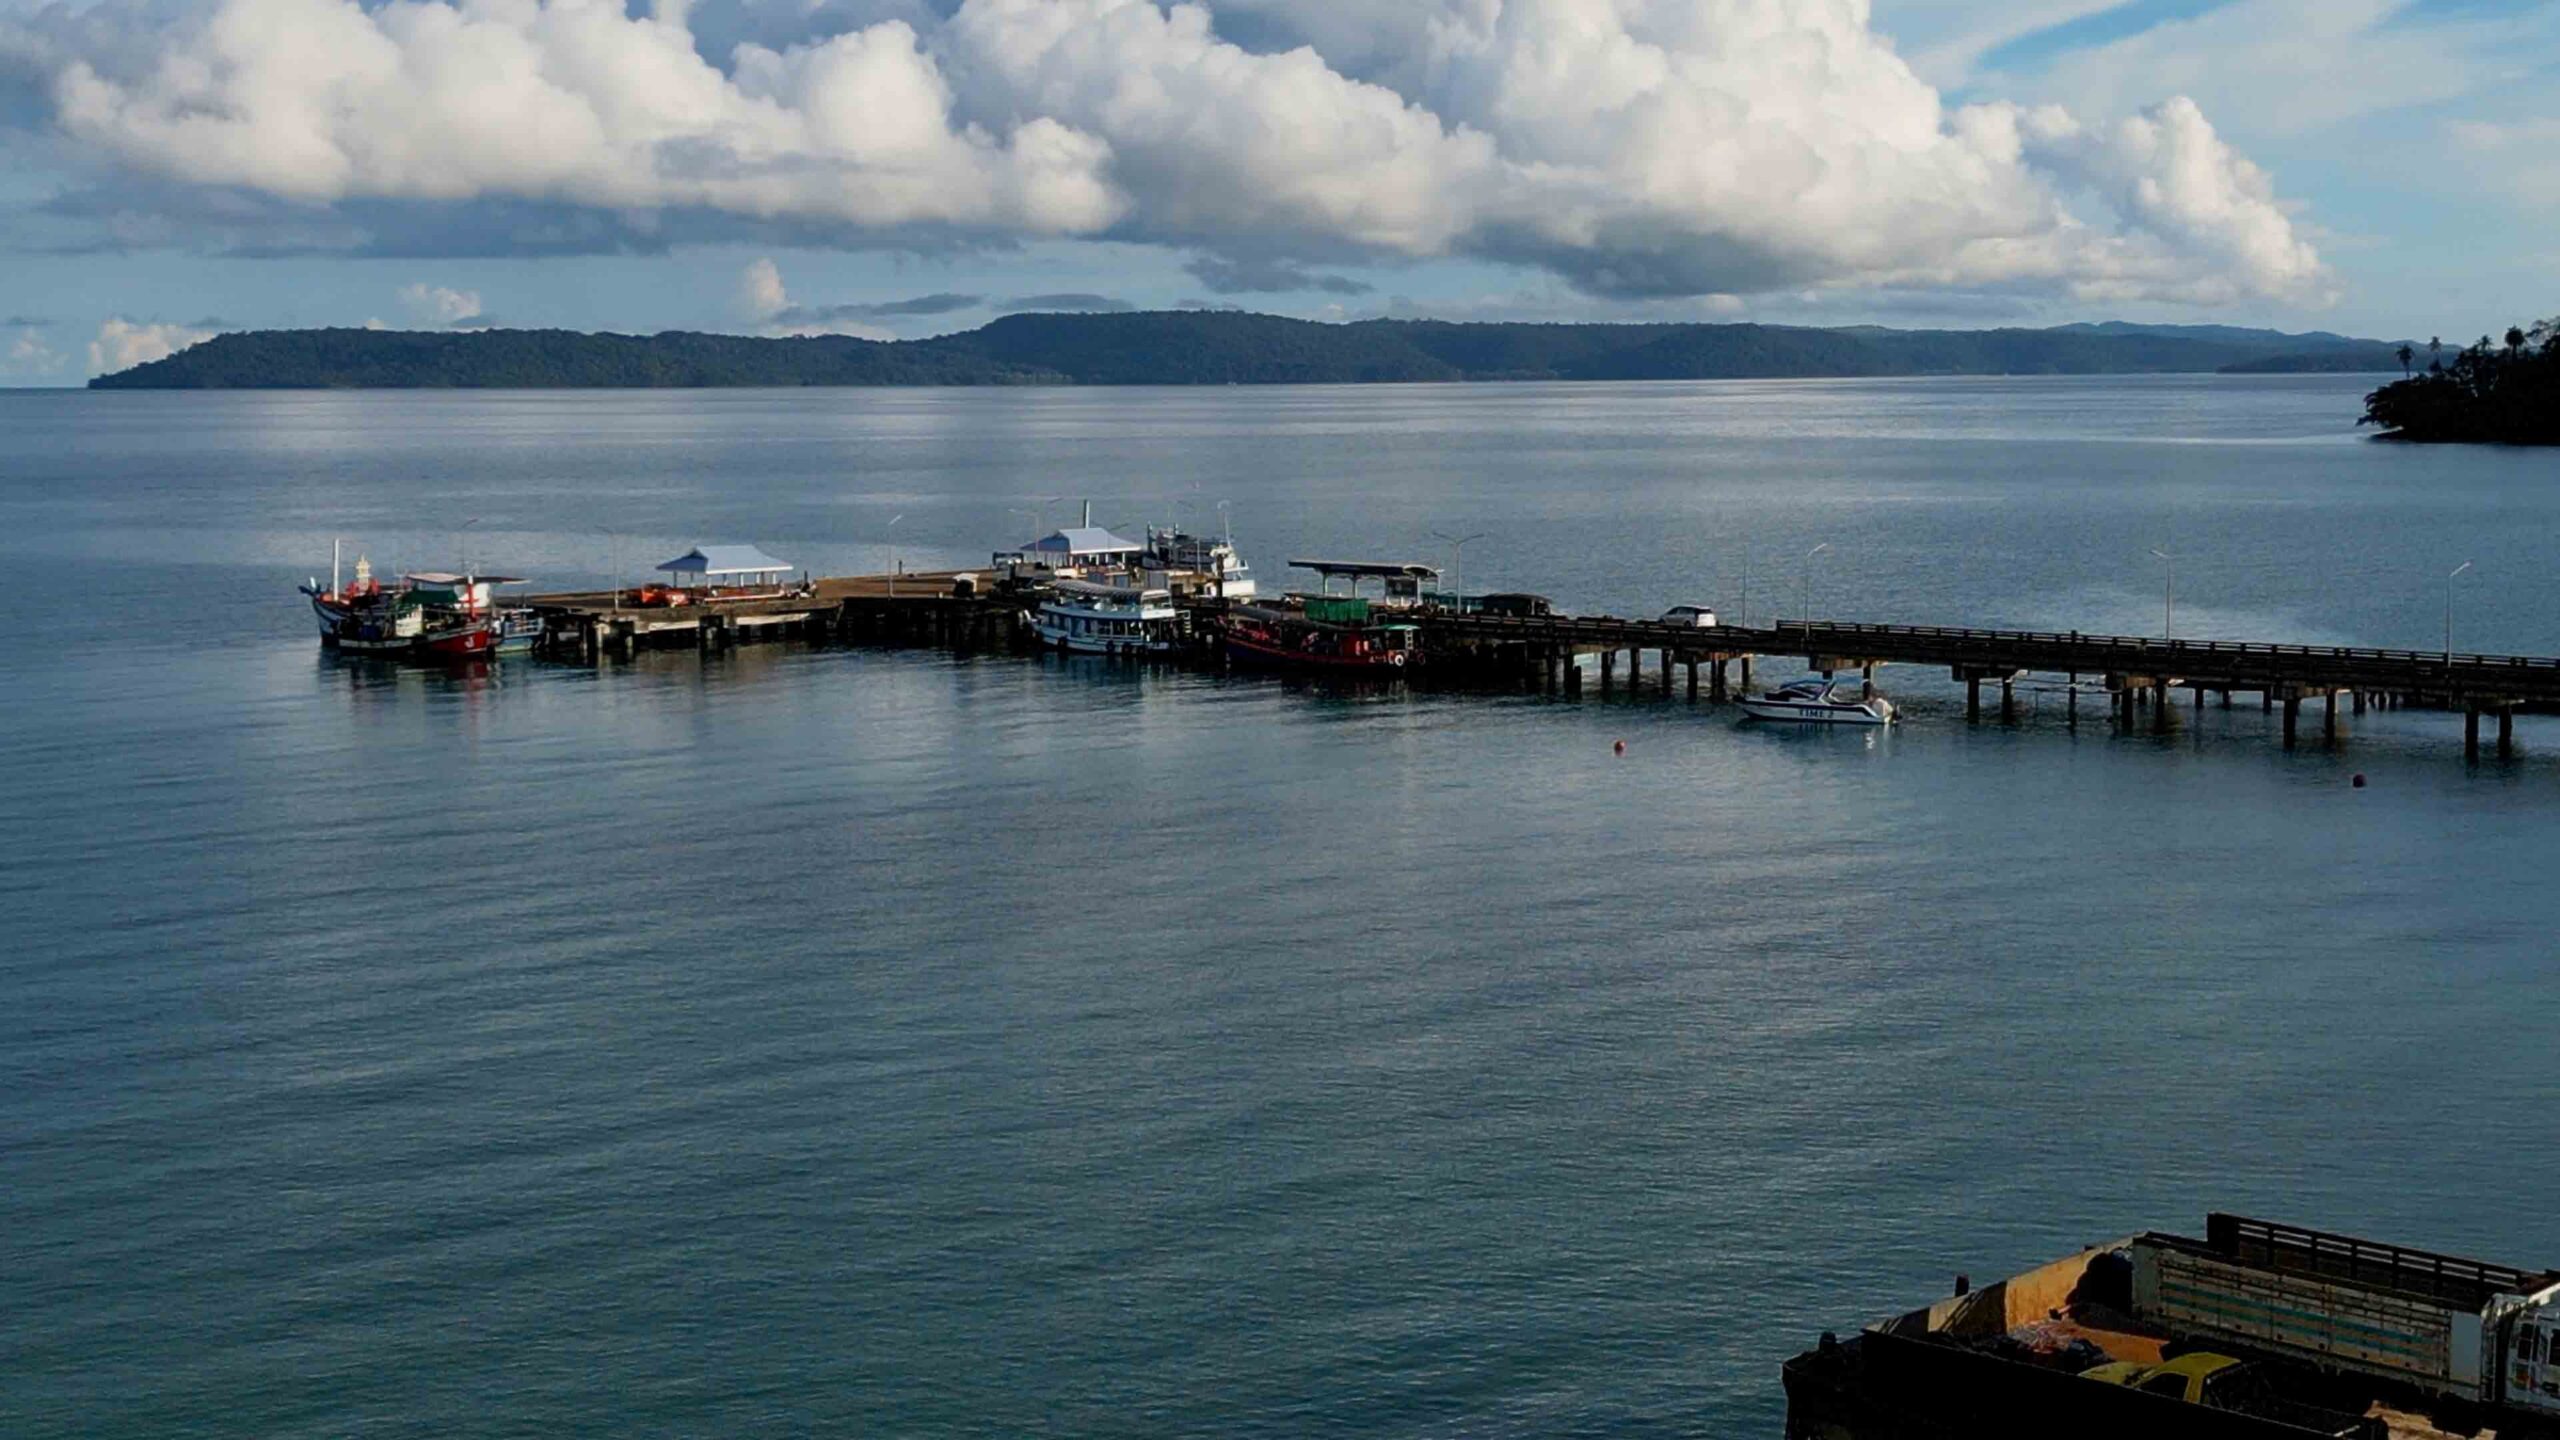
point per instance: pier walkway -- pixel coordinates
(1546, 652)
(2137, 672)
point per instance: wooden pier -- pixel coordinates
(2136, 675)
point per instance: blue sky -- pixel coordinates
(907, 167)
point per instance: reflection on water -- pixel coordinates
(843, 1040)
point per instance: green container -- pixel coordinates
(1337, 611)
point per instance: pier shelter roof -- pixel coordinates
(1082, 540)
(711, 560)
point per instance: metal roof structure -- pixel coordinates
(1081, 540)
(1357, 569)
(725, 560)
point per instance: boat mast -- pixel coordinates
(333, 564)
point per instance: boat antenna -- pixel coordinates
(333, 564)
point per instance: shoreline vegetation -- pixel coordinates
(1197, 347)
(2490, 393)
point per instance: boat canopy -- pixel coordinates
(711, 560)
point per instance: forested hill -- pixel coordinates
(1189, 347)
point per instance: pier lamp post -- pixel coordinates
(1808, 588)
(1457, 547)
(2168, 581)
(2448, 609)
(890, 539)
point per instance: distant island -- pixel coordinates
(2505, 394)
(1194, 347)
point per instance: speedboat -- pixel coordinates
(1820, 702)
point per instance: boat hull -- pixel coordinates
(1796, 712)
(1249, 652)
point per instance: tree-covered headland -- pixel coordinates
(2507, 393)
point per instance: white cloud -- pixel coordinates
(2513, 156)
(28, 354)
(760, 292)
(123, 344)
(1636, 147)
(440, 305)
(2270, 68)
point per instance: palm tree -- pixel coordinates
(2406, 355)
(2435, 353)
(2515, 339)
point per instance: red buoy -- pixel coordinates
(1622, 747)
(2359, 780)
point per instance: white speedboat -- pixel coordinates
(1091, 618)
(1820, 702)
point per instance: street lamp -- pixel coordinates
(2168, 578)
(1457, 548)
(2448, 610)
(1808, 587)
(891, 540)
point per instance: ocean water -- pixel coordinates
(841, 1041)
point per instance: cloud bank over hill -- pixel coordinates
(1636, 148)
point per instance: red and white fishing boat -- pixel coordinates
(1348, 640)
(432, 615)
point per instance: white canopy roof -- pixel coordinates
(725, 560)
(1081, 540)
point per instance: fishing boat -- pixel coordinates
(1089, 617)
(1196, 564)
(1341, 642)
(1818, 701)
(431, 614)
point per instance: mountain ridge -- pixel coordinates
(1201, 347)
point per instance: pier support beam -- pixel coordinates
(2008, 700)
(1973, 699)
(1715, 682)
(1693, 682)
(2506, 731)
(1608, 671)
(1746, 674)
(2471, 733)
(1573, 676)
(2292, 717)
(2329, 717)
(2359, 702)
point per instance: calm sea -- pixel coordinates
(848, 1042)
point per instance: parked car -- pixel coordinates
(1698, 616)
(1514, 606)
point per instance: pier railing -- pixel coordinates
(2248, 664)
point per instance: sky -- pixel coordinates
(170, 169)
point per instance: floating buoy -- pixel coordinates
(1621, 747)
(2358, 782)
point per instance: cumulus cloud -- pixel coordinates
(123, 344)
(1637, 148)
(760, 290)
(440, 305)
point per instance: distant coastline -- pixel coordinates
(1218, 348)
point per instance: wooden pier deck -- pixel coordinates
(1545, 653)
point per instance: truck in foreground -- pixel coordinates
(2308, 1333)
